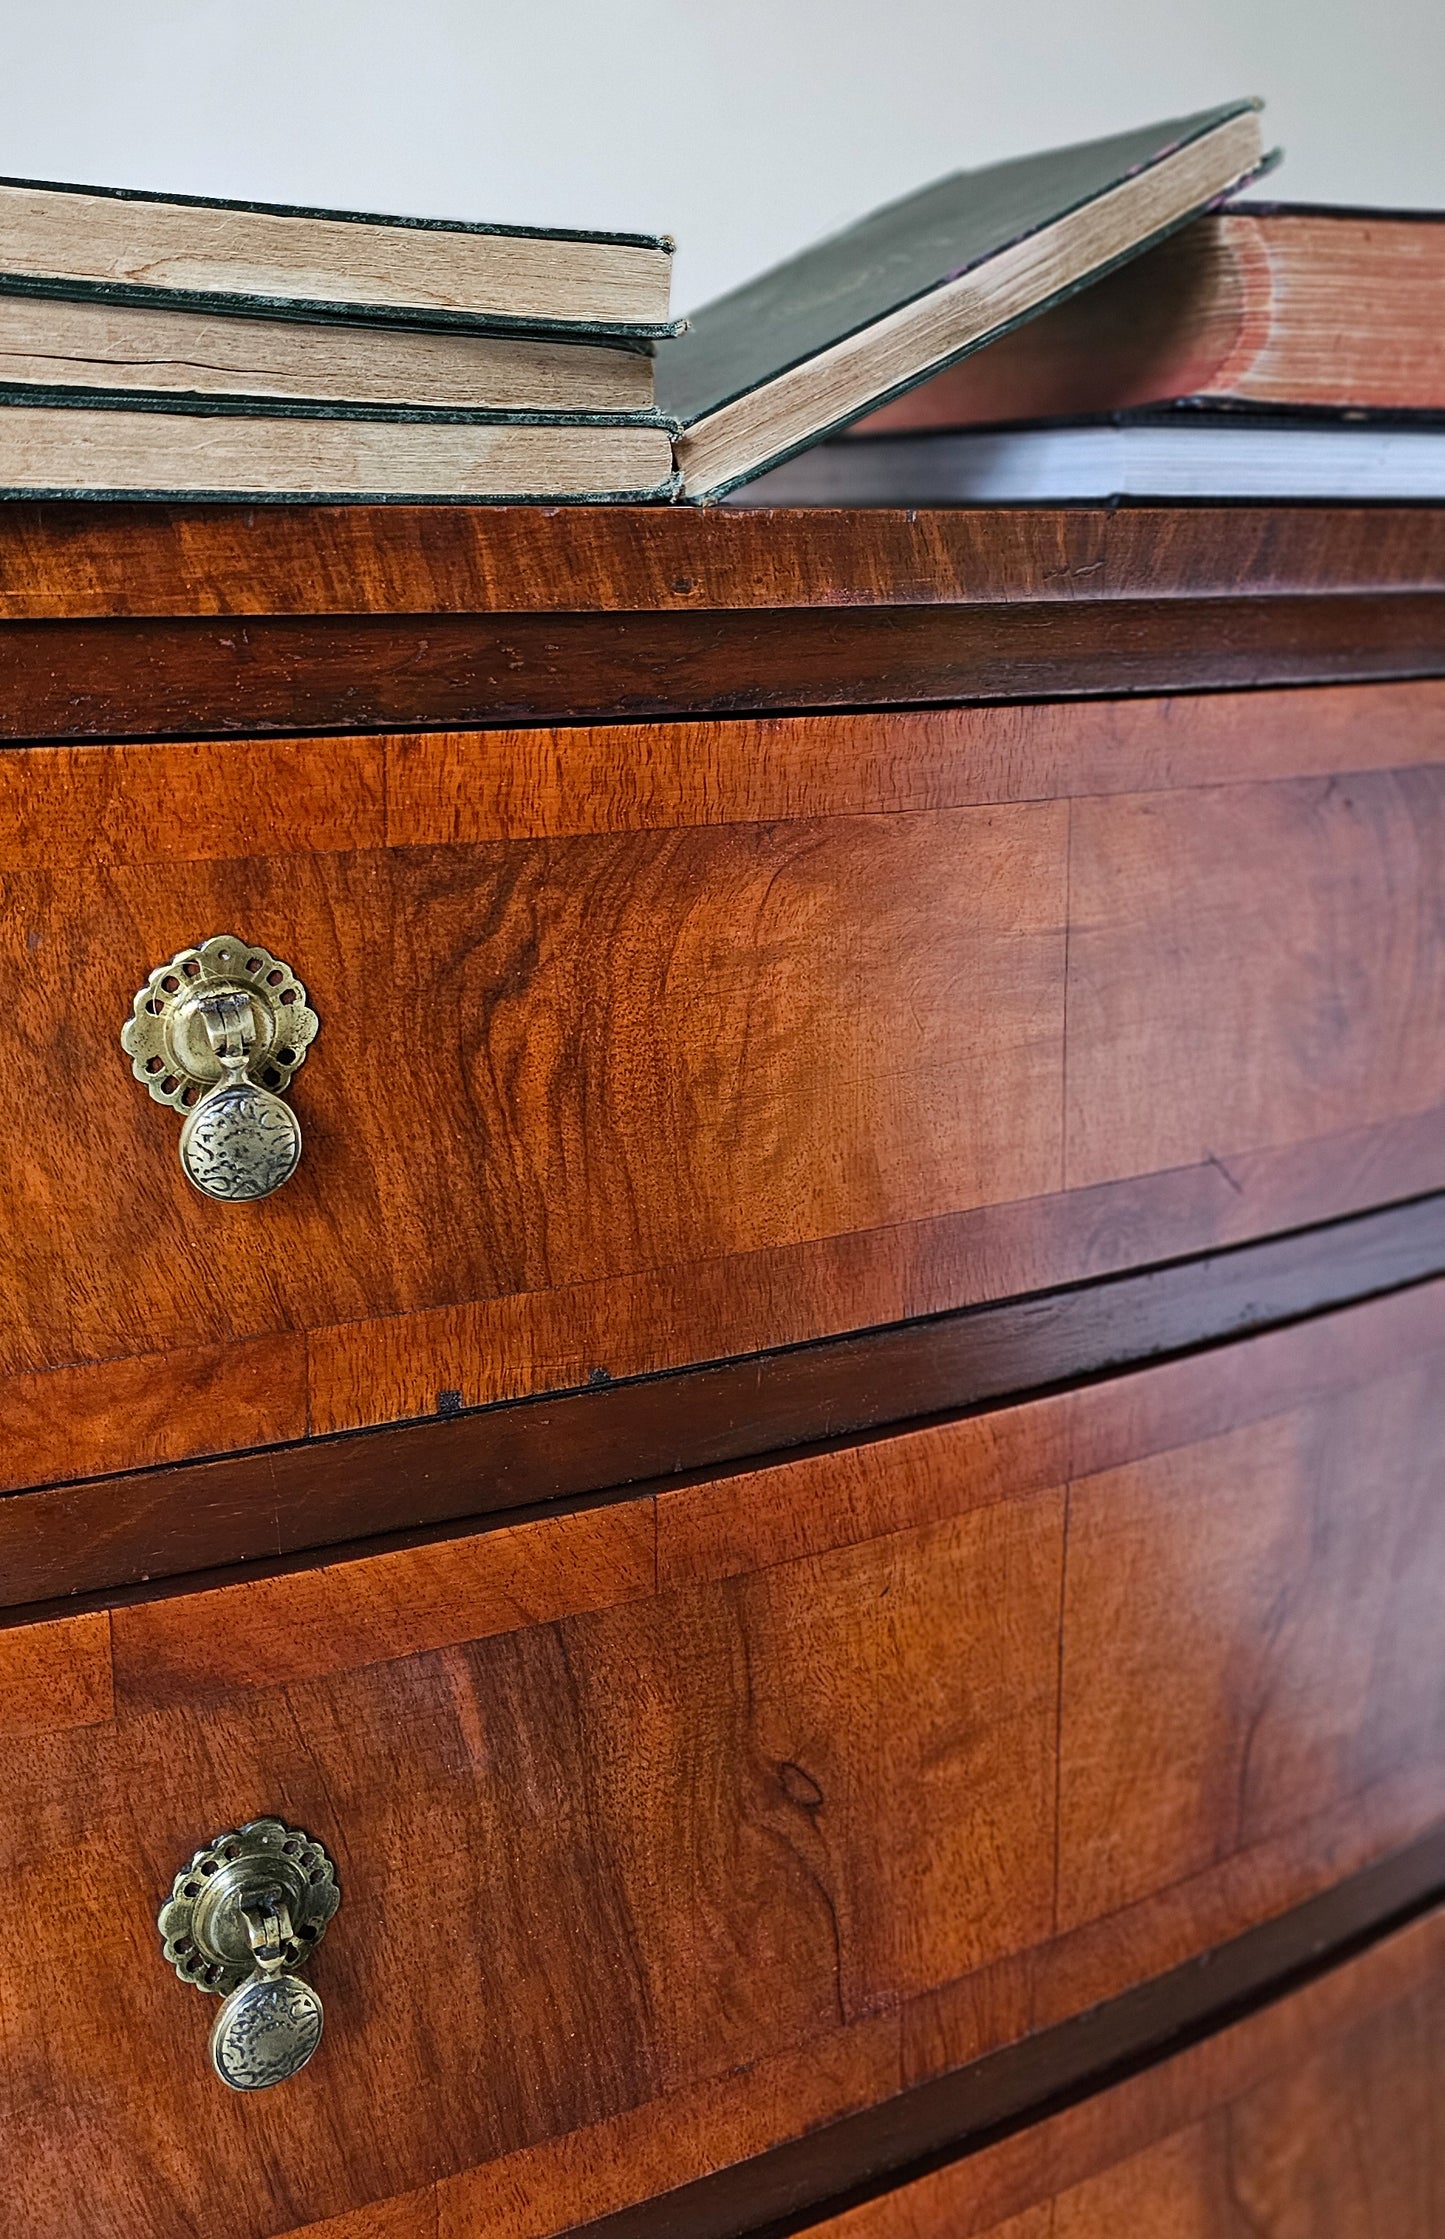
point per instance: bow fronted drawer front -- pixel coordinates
(650, 1045)
(673, 1830)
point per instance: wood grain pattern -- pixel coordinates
(55, 1676)
(390, 1368)
(446, 787)
(306, 1623)
(183, 802)
(302, 1625)
(652, 2150)
(143, 1411)
(1138, 1946)
(163, 803)
(814, 1781)
(1157, 1551)
(1316, 2118)
(385, 1369)
(883, 2145)
(519, 1044)
(1260, 962)
(59, 561)
(758, 1517)
(622, 1098)
(413, 2216)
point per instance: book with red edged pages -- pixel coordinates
(1265, 352)
(1265, 306)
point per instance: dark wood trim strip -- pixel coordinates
(106, 1535)
(274, 675)
(810, 2179)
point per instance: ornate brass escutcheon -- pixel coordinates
(218, 1034)
(250, 1909)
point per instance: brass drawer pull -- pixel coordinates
(218, 1034)
(250, 1908)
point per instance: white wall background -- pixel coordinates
(744, 127)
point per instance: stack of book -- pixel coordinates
(1079, 325)
(155, 346)
(163, 346)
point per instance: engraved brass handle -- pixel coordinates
(250, 1908)
(218, 1034)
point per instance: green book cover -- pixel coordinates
(45, 396)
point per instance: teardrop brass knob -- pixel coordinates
(218, 1034)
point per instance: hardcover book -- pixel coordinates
(118, 245)
(63, 449)
(144, 351)
(799, 352)
(1183, 452)
(1270, 304)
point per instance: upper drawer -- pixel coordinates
(642, 1046)
(670, 1829)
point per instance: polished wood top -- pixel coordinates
(76, 561)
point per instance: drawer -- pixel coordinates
(673, 1827)
(1316, 2119)
(655, 1044)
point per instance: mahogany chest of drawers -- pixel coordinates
(823, 1493)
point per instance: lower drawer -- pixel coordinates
(1318, 2118)
(671, 1828)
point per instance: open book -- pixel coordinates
(797, 353)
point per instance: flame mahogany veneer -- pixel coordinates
(826, 1486)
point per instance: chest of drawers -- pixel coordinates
(825, 1484)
